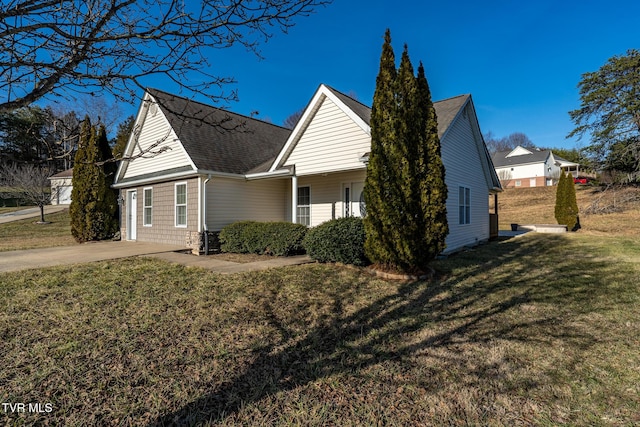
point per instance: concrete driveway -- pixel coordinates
(87, 252)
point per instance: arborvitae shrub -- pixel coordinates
(264, 238)
(338, 240)
(566, 209)
(405, 192)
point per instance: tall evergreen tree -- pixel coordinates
(380, 179)
(81, 183)
(433, 189)
(560, 198)
(93, 203)
(566, 209)
(405, 193)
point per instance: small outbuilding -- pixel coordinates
(61, 186)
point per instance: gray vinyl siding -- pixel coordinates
(332, 142)
(462, 163)
(156, 129)
(231, 200)
(163, 229)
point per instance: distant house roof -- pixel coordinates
(64, 174)
(523, 156)
(219, 140)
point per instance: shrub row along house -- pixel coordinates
(523, 167)
(190, 167)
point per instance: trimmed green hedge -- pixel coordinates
(338, 240)
(264, 238)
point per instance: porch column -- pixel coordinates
(294, 199)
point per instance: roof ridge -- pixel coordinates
(344, 94)
(213, 106)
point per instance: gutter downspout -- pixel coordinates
(205, 228)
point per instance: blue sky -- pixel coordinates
(520, 60)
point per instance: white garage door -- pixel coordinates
(64, 194)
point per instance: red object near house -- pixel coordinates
(580, 180)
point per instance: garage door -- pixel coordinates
(64, 194)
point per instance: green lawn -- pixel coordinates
(27, 234)
(541, 330)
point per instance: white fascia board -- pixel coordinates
(143, 109)
(299, 129)
(322, 93)
(214, 174)
(280, 173)
(143, 181)
(348, 111)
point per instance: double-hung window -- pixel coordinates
(304, 206)
(464, 205)
(147, 207)
(181, 204)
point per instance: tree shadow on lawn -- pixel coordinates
(478, 300)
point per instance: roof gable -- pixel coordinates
(218, 140)
(446, 112)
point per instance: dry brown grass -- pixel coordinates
(536, 206)
(539, 330)
(28, 234)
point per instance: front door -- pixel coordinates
(132, 232)
(353, 199)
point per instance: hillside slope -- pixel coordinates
(611, 211)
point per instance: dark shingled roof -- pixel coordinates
(219, 140)
(446, 110)
(500, 159)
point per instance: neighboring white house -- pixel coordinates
(523, 167)
(214, 167)
(61, 186)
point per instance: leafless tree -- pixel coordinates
(29, 183)
(507, 143)
(291, 121)
(505, 177)
(62, 48)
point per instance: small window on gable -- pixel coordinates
(181, 204)
(464, 205)
(147, 207)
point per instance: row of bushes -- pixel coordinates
(338, 240)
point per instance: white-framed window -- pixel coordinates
(518, 183)
(147, 207)
(464, 205)
(181, 204)
(304, 206)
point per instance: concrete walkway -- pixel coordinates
(99, 251)
(30, 213)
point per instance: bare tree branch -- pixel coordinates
(58, 48)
